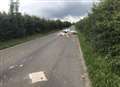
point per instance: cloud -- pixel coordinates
(56, 8)
(72, 19)
(4, 5)
(63, 9)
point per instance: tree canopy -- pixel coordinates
(15, 26)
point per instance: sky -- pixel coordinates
(66, 10)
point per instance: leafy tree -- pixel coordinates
(16, 26)
(102, 29)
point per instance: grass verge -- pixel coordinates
(98, 68)
(13, 42)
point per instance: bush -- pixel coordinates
(16, 26)
(102, 29)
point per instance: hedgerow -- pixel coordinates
(17, 26)
(102, 28)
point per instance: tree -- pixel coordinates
(102, 29)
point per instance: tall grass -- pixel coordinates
(99, 69)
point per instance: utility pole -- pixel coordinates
(14, 7)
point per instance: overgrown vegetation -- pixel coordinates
(99, 69)
(17, 26)
(102, 29)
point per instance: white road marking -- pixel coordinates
(21, 65)
(11, 67)
(38, 77)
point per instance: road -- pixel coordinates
(57, 58)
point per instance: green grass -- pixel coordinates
(13, 42)
(98, 68)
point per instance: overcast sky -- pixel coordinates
(71, 10)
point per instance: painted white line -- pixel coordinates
(11, 67)
(21, 65)
(38, 77)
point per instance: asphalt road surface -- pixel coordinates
(50, 61)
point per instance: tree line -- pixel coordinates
(102, 29)
(17, 26)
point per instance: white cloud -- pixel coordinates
(53, 8)
(4, 5)
(72, 19)
(69, 18)
(41, 7)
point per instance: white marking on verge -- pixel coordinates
(38, 77)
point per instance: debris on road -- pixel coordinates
(38, 77)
